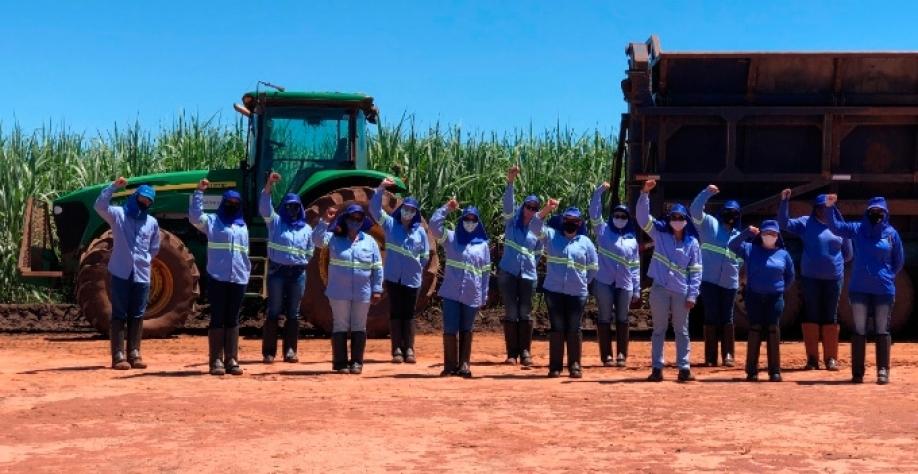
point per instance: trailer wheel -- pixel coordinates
(902, 308)
(314, 306)
(173, 286)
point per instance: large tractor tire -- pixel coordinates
(173, 286)
(902, 308)
(790, 316)
(314, 306)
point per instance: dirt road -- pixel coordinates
(61, 409)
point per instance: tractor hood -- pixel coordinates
(184, 181)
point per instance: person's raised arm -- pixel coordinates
(103, 202)
(321, 235)
(508, 200)
(376, 208)
(642, 213)
(794, 226)
(196, 214)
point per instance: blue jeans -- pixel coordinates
(457, 317)
(764, 309)
(129, 298)
(611, 300)
(286, 284)
(663, 304)
(402, 301)
(820, 300)
(565, 311)
(718, 303)
(881, 306)
(225, 300)
(516, 294)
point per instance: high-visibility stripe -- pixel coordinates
(570, 263)
(399, 249)
(355, 265)
(721, 251)
(619, 259)
(670, 265)
(227, 246)
(290, 250)
(519, 248)
(484, 269)
(649, 226)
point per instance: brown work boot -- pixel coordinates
(830, 345)
(135, 335)
(811, 344)
(116, 332)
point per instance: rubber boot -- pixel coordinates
(574, 348)
(774, 353)
(727, 344)
(710, 345)
(116, 332)
(621, 343)
(395, 331)
(604, 336)
(408, 331)
(465, 354)
(512, 341)
(753, 346)
(830, 345)
(135, 335)
(269, 341)
(656, 375)
(450, 355)
(884, 343)
(339, 352)
(525, 338)
(858, 353)
(291, 336)
(215, 341)
(231, 351)
(358, 346)
(555, 353)
(811, 344)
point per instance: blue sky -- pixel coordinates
(488, 65)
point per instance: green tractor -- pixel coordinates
(316, 141)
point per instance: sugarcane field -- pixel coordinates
(459, 237)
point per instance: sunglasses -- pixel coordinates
(677, 217)
(531, 208)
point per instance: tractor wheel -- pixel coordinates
(792, 306)
(314, 306)
(902, 308)
(173, 286)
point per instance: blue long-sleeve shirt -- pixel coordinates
(824, 253)
(287, 245)
(521, 247)
(675, 264)
(407, 251)
(571, 264)
(878, 256)
(768, 271)
(135, 241)
(227, 245)
(468, 267)
(355, 269)
(619, 253)
(721, 265)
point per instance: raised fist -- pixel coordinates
(552, 204)
(120, 182)
(274, 177)
(831, 199)
(512, 173)
(649, 185)
(753, 229)
(452, 204)
(330, 213)
(605, 185)
(387, 182)
(713, 189)
(785, 194)
(203, 184)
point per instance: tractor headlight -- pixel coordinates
(58, 210)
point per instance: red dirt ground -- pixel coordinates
(63, 410)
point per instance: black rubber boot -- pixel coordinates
(269, 341)
(450, 355)
(358, 346)
(512, 341)
(525, 338)
(753, 346)
(884, 343)
(774, 354)
(291, 336)
(135, 335)
(574, 348)
(621, 344)
(395, 331)
(215, 341)
(727, 344)
(231, 351)
(811, 344)
(339, 352)
(656, 375)
(555, 353)
(116, 334)
(710, 345)
(685, 375)
(604, 337)
(858, 354)
(408, 331)
(465, 354)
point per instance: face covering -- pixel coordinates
(570, 227)
(231, 207)
(353, 226)
(769, 241)
(874, 217)
(470, 226)
(408, 214)
(293, 211)
(619, 223)
(677, 225)
(142, 206)
(730, 219)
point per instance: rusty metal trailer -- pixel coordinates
(754, 123)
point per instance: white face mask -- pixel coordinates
(469, 226)
(769, 241)
(408, 214)
(677, 225)
(619, 223)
